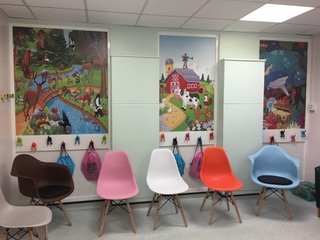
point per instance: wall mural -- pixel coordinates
(186, 83)
(285, 84)
(61, 81)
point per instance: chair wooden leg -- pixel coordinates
(205, 198)
(106, 209)
(131, 216)
(227, 194)
(157, 213)
(318, 212)
(261, 191)
(103, 209)
(30, 232)
(5, 234)
(175, 203)
(212, 207)
(38, 233)
(151, 203)
(46, 232)
(261, 198)
(181, 209)
(286, 205)
(235, 206)
(65, 213)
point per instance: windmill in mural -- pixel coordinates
(185, 59)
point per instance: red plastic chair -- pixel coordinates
(217, 175)
(116, 182)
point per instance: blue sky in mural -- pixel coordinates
(200, 48)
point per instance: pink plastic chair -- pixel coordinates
(116, 184)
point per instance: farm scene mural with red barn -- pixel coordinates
(61, 81)
(186, 84)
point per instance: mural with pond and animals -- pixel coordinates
(61, 81)
(285, 84)
(186, 83)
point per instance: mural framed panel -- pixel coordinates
(60, 80)
(285, 83)
(186, 83)
(285, 88)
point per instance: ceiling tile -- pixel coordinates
(124, 6)
(207, 24)
(55, 14)
(227, 9)
(312, 18)
(173, 7)
(13, 2)
(307, 3)
(285, 28)
(17, 11)
(112, 18)
(160, 21)
(70, 4)
(245, 26)
(313, 31)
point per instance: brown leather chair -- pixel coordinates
(46, 183)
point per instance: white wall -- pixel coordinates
(5, 108)
(312, 150)
(132, 42)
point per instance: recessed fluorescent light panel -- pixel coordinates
(275, 13)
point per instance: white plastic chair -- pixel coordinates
(163, 178)
(23, 217)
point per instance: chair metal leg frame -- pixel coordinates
(58, 205)
(282, 196)
(6, 234)
(229, 198)
(106, 211)
(169, 198)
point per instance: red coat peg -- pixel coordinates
(293, 138)
(162, 138)
(211, 136)
(34, 146)
(187, 137)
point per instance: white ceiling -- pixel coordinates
(216, 15)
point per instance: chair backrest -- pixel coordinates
(33, 174)
(116, 168)
(162, 165)
(215, 162)
(26, 165)
(273, 159)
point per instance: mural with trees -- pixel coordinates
(61, 81)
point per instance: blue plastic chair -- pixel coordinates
(274, 170)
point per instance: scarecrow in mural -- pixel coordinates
(57, 75)
(285, 84)
(186, 89)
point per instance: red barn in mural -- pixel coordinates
(182, 78)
